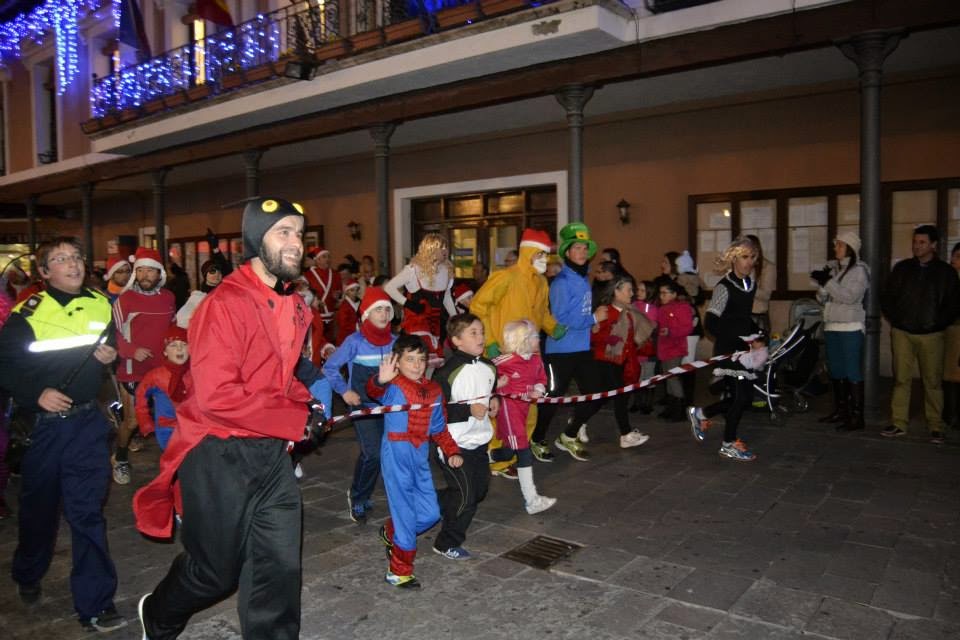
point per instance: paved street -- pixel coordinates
(825, 536)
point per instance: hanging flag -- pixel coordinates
(215, 11)
(131, 31)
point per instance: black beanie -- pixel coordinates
(258, 216)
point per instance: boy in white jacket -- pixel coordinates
(466, 375)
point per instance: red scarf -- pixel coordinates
(176, 389)
(374, 335)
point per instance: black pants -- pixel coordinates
(466, 488)
(241, 531)
(561, 369)
(737, 396)
(610, 376)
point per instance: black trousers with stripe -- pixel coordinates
(466, 488)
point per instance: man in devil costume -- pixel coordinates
(226, 467)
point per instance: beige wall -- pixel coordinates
(19, 118)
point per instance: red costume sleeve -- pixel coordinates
(125, 348)
(142, 402)
(374, 389)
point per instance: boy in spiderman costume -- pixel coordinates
(405, 452)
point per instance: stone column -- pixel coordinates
(31, 206)
(251, 171)
(381, 175)
(868, 51)
(573, 98)
(159, 211)
(86, 204)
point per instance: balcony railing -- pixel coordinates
(249, 52)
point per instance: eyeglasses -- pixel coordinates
(65, 259)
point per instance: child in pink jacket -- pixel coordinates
(675, 323)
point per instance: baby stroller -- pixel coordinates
(790, 374)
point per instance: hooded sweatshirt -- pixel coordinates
(514, 293)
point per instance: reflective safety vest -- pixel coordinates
(56, 327)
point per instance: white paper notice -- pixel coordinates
(706, 241)
(800, 250)
(759, 217)
(719, 221)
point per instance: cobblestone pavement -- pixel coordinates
(824, 536)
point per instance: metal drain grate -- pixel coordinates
(541, 552)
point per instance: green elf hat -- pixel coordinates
(573, 233)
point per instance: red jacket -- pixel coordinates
(245, 340)
(346, 320)
(677, 319)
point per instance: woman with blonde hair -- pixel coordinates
(423, 288)
(730, 321)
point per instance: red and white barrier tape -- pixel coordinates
(649, 382)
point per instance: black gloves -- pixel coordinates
(822, 276)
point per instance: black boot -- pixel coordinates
(951, 391)
(854, 421)
(642, 401)
(841, 403)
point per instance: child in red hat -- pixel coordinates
(167, 386)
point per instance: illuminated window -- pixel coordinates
(198, 34)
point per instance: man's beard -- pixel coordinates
(274, 264)
(151, 284)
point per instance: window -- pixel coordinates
(796, 226)
(910, 210)
(45, 112)
(484, 227)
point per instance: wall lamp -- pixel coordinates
(623, 210)
(355, 230)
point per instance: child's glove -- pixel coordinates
(821, 277)
(493, 350)
(559, 331)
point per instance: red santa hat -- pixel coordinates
(175, 334)
(374, 297)
(113, 264)
(313, 252)
(537, 239)
(146, 257)
(462, 293)
(350, 283)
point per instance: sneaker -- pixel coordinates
(106, 620)
(357, 514)
(633, 439)
(402, 582)
(121, 471)
(698, 423)
(572, 446)
(893, 432)
(541, 451)
(29, 593)
(367, 505)
(510, 473)
(539, 503)
(582, 435)
(136, 443)
(737, 450)
(453, 553)
(936, 437)
(298, 472)
(143, 620)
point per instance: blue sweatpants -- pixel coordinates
(410, 492)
